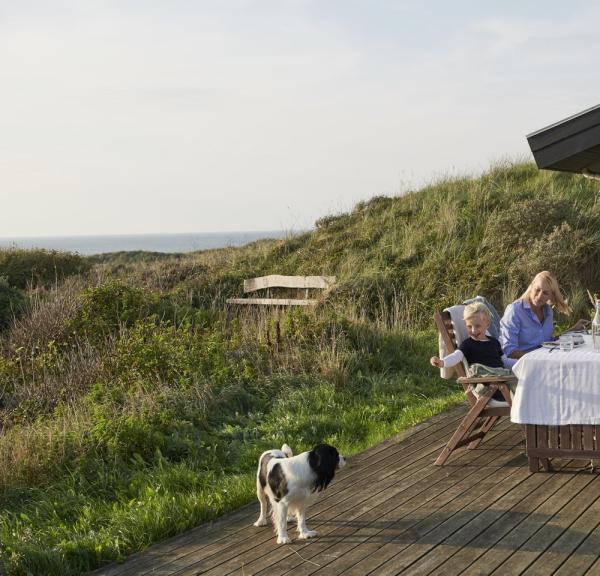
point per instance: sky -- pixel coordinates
(134, 117)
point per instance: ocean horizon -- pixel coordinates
(167, 243)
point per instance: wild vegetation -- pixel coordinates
(134, 403)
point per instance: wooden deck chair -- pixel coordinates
(484, 411)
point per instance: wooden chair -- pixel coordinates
(484, 411)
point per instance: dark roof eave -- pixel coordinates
(570, 145)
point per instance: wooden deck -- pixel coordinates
(391, 511)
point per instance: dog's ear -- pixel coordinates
(323, 460)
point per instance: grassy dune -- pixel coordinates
(134, 404)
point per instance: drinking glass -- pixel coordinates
(566, 343)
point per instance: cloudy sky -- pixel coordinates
(124, 117)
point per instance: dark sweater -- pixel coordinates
(487, 352)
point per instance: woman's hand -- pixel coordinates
(581, 324)
(435, 361)
(516, 354)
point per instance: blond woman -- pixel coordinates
(529, 321)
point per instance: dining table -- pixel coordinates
(557, 400)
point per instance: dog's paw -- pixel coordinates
(260, 522)
(308, 534)
(284, 540)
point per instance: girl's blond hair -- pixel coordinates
(476, 308)
(556, 299)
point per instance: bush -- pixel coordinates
(23, 267)
(11, 303)
(113, 305)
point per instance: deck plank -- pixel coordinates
(354, 526)
(575, 503)
(523, 493)
(505, 518)
(396, 556)
(566, 545)
(391, 511)
(499, 556)
(583, 557)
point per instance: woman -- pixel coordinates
(529, 321)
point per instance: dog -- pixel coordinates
(288, 482)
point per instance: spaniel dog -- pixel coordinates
(289, 482)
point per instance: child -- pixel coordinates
(482, 352)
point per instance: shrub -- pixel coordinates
(11, 303)
(113, 305)
(35, 267)
(47, 315)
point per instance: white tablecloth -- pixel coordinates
(558, 387)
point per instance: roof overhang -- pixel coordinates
(571, 145)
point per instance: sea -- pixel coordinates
(168, 243)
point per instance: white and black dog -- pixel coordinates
(290, 481)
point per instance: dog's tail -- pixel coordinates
(287, 451)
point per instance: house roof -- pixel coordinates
(571, 145)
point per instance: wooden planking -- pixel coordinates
(229, 559)
(568, 543)
(594, 569)
(390, 511)
(361, 536)
(571, 504)
(570, 441)
(279, 281)
(485, 379)
(505, 517)
(273, 301)
(399, 555)
(462, 538)
(572, 145)
(583, 557)
(500, 554)
(305, 283)
(553, 437)
(397, 499)
(588, 438)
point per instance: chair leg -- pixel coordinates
(487, 426)
(505, 390)
(463, 429)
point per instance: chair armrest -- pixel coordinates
(487, 380)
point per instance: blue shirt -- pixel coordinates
(521, 329)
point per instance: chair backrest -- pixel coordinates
(494, 329)
(453, 330)
(447, 333)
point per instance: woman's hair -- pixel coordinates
(557, 299)
(477, 308)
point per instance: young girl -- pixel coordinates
(482, 352)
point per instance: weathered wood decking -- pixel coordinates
(391, 511)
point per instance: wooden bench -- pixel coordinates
(276, 282)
